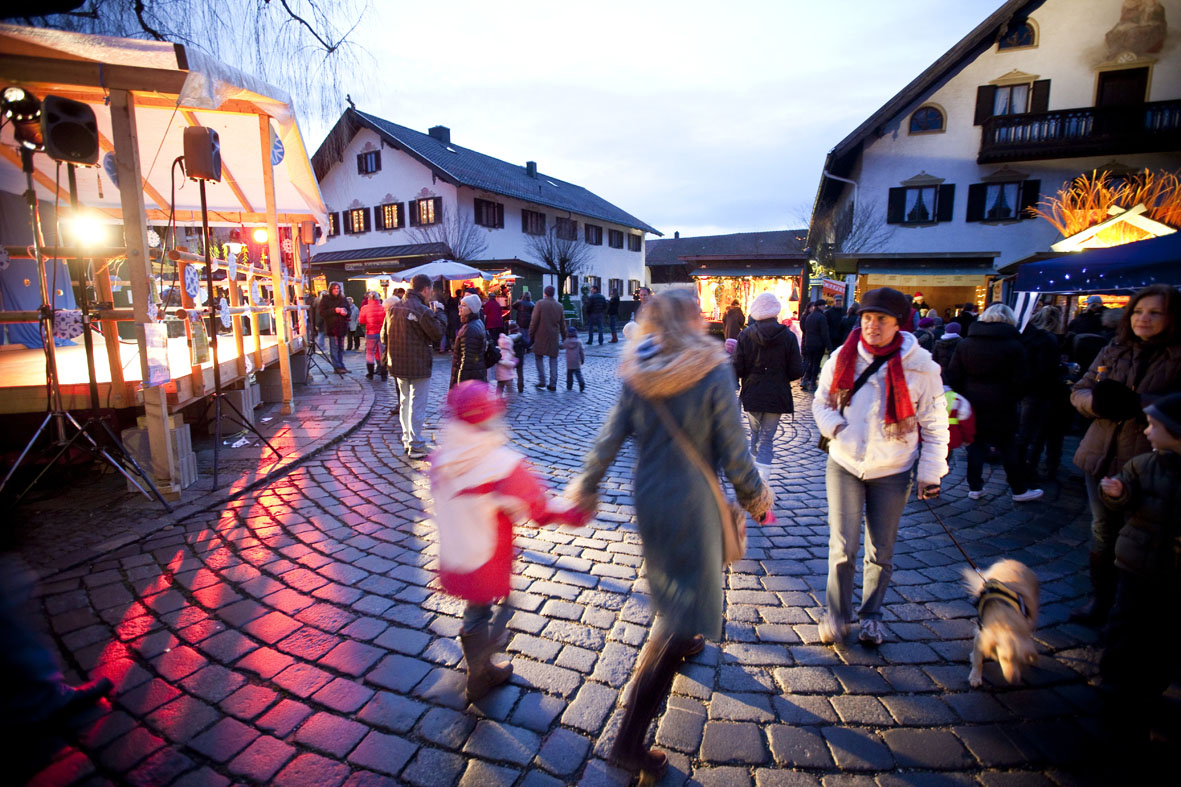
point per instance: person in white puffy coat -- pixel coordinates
(874, 426)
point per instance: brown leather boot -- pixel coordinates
(614, 337)
(658, 665)
(1093, 612)
(482, 674)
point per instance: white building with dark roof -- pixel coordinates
(384, 184)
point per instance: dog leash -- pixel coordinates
(953, 540)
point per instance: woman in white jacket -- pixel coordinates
(877, 395)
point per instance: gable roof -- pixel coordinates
(842, 157)
(775, 244)
(465, 167)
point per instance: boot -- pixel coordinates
(1094, 611)
(369, 370)
(482, 674)
(658, 665)
(614, 337)
(384, 371)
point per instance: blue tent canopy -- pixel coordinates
(1127, 267)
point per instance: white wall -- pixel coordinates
(1069, 53)
(403, 178)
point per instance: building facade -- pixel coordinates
(398, 198)
(933, 191)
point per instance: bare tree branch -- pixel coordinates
(563, 257)
(465, 240)
(329, 48)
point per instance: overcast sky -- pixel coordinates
(702, 117)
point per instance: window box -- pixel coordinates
(593, 234)
(615, 239)
(427, 211)
(369, 162)
(489, 213)
(919, 205)
(532, 222)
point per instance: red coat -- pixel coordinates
(493, 316)
(372, 317)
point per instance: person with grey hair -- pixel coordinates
(990, 369)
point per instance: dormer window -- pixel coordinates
(926, 120)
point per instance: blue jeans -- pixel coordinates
(763, 427)
(591, 321)
(336, 351)
(612, 320)
(412, 398)
(571, 376)
(881, 501)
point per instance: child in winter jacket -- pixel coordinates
(1141, 641)
(575, 357)
(520, 349)
(482, 487)
(505, 366)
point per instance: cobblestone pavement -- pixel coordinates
(297, 637)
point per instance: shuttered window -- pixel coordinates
(593, 234)
(566, 229)
(391, 216)
(1004, 201)
(369, 162)
(356, 221)
(615, 239)
(532, 222)
(920, 204)
(333, 224)
(635, 242)
(999, 100)
(489, 213)
(427, 211)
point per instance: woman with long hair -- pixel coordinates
(1140, 365)
(674, 375)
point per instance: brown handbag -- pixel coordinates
(733, 515)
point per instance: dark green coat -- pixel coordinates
(676, 513)
(1149, 543)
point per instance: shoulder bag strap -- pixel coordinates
(694, 456)
(863, 378)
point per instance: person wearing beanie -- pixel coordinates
(475, 528)
(926, 334)
(575, 358)
(879, 394)
(1140, 654)
(467, 356)
(945, 345)
(766, 360)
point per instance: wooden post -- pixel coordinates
(135, 238)
(277, 288)
(235, 293)
(102, 283)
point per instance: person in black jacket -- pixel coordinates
(834, 314)
(850, 321)
(613, 315)
(1045, 390)
(766, 360)
(595, 310)
(467, 356)
(990, 370)
(816, 343)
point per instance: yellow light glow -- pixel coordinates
(88, 231)
(260, 235)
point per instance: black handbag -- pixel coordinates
(861, 380)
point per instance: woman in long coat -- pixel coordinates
(467, 356)
(1140, 365)
(334, 312)
(672, 363)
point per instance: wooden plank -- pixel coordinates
(102, 281)
(135, 233)
(276, 253)
(236, 301)
(53, 72)
(225, 217)
(226, 175)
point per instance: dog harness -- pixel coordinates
(997, 591)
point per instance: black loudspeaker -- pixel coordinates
(309, 232)
(202, 153)
(69, 130)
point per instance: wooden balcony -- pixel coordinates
(1153, 127)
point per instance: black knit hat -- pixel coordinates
(886, 300)
(1167, 410)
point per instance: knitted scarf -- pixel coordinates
(900, 418)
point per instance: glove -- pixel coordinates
(1115, 401)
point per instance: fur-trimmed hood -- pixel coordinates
(656, 371)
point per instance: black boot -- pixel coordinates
(1094, 611)
(482, 674)
(658, 665)
(369, 371)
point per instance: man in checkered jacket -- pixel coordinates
(413, 326)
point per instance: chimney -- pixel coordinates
(441, 133)
(677, 234)
(531, 168)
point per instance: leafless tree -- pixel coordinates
(563, 257)
(848, 229)
(300, 46)
(464, 239)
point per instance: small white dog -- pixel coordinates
(1007, 596)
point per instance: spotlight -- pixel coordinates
(88, 230)
(24, 110)
(260, 235)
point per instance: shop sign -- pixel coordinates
(927, 280)
(364, 266)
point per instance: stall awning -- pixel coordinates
(1126, 267)
(745, 272)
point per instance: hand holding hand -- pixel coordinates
(1112, 487)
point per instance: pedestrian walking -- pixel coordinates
(733, 321)
(992, 372)
(816, 344)
(575, 357)
(1141, 364)
(467, 356)
(482, 487)
(523, 312)
(1141, 645)
(595, 310)
(945, 345)
(493, 318)
(334, 312)
(878, 395)
(547, 328)
(613, 315)
(766, 361)
(372, 320)
(451, 310)
(850, 321)
(411, 329)
(672, 364)
(926, 334)
(506, 367)
(520, 341)
(835, 313)
(1044, 388)
(355, 329)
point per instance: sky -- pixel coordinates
(698, 117)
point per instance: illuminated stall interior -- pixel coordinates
(146, 282)
(720, 280)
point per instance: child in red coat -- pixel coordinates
(481, 487)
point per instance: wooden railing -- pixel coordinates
(1151, 127)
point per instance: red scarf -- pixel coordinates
(899, 409)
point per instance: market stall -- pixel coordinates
(142, 96)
